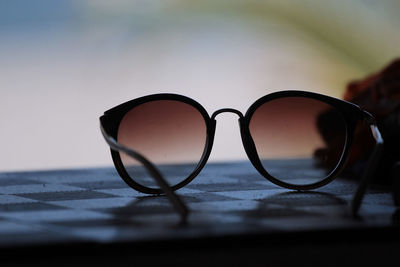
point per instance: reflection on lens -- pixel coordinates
(298, 140)
(171, 134)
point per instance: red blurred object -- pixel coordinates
(378, 94)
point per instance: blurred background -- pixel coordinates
(63, 63)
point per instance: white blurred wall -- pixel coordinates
(63, 65)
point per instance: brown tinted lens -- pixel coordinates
(171, 134)
(298, 140)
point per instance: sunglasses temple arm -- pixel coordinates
(371, 167)
(178, 204)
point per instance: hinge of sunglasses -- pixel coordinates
(178, 204)
(370, 170)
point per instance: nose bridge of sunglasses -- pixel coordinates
(227, 110)
(224, 148)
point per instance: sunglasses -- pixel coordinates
(297, 140)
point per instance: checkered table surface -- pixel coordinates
(95, 205)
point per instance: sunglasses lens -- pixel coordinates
(169, 133)
(299, 140)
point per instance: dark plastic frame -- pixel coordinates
(351, 113)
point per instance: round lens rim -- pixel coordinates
(350, 113)
(118, 114)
